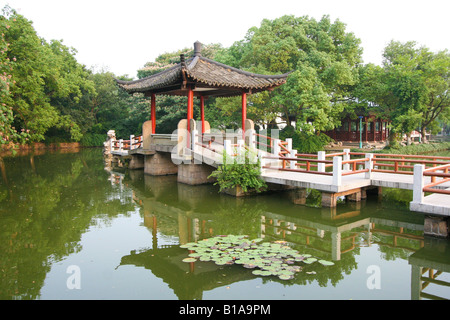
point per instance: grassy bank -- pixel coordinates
(411, 149)
(88, 141)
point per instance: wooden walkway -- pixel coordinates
(338, 174)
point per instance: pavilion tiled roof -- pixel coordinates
(208, 76)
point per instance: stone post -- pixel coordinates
(369, 165)
(289, 145)
(194, 139)
(337, 171)
(321, 165)
(276, 147)
(196, 150)
(262, 161)
(182, 137)
(293, 163)
(346, 158)
(147, 134)
(418, 183)
(249, 132)
(131, 142)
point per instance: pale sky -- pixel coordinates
(121, 36)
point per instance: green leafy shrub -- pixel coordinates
(305, 142)
(243, 171)
(93, 140)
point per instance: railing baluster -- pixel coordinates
(418, 183)
(337, 171)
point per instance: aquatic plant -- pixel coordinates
(239, 172)
(267, 258)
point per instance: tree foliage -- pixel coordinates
(9, 136)
(45, 76)
(322, 57)
(411, 88)
(46, 95)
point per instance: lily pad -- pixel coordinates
(295, 268)
(326, 263)
(285, 277)
(205, 258)
(274, 258)
(188, 245)
(286, 272)
(309, 260)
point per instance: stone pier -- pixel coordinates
(160, 164)
(137, 162)
(195, 174)
(330, 199)
(436, 226)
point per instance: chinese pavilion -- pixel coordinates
(202, 77)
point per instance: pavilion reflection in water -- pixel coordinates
(191, 213)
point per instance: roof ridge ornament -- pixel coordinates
(183, 60)
(197, 49)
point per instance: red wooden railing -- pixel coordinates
(402, 163)
(432, 172)
(127, 145)
(269, 141)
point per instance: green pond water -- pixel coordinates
(71, 229)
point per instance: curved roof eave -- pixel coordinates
(207, 72)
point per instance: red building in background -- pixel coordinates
(373, 129)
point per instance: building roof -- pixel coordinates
(207, 77)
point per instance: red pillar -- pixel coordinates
(202, 112)
(190, 108)
(244, 111)
(153, 113)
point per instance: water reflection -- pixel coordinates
(49, 202)
(198, 212)
(430, 269)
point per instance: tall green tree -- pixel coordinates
(109, 108)
(70, 83)
(9, 136)
(322, 57)
(45, 76)
(411, 88)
